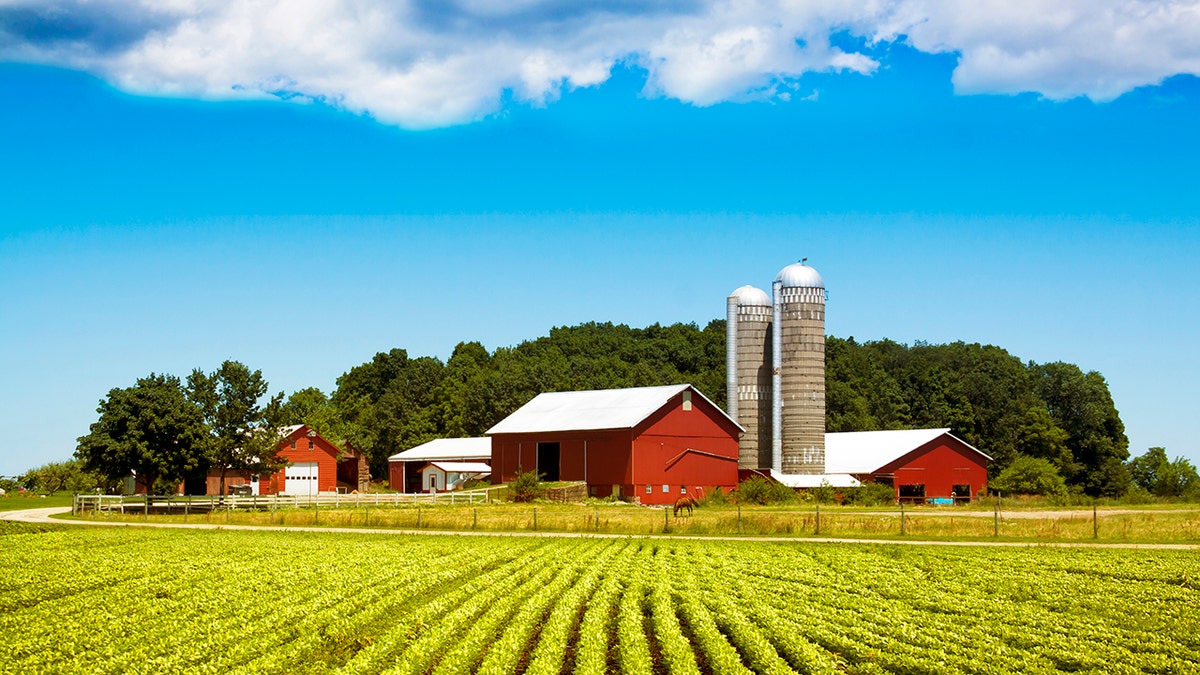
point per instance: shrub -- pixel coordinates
(526, 487)
(1030, 476)
(759, 490)
(717, 497)
(869, 494)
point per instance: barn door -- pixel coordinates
(548, 459)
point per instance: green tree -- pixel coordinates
(243, 433)
(69, 476)
(1039, 436)
(150, 429)
(1161, 477)
(1082, 406)
(1030, 476)
(307, 406)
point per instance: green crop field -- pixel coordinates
(119, 600)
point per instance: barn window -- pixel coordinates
(666, 488)
(649, 490)
(687, 400)
(912, 493)
(293, 444)
(683, 489)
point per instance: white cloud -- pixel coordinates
(429, 63)
(1060, 48)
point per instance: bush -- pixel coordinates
(870, 494)
(759, 490)
(1030, 476)
(526, 487)
(717, 497)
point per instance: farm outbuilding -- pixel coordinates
(647, 444)
(312, 464)
(443, 476)
(921, 464)
(404, 468)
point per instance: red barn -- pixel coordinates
(649, 444)
(921, 464)
(313, 464)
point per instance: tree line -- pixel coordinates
(1050, 421)
(163, 431)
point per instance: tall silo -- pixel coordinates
(798, 375)
(748, 373)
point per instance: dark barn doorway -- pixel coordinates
(548, 461)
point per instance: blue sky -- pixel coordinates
(170, 197)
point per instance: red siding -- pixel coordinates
(696, 449)
(939, 466)
(321, 451)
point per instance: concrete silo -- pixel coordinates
(798, 373)
(748, 373)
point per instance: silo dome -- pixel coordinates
(749, 296)
(799, 275)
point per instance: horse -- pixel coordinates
(685, 503)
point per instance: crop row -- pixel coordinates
(126, 600)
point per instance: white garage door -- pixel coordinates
(300, 479)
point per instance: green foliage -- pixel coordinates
(759, 490)
(526, 487)
(151, 428)
(69, 476)
(869, 494)
(536, 605)
(1161, 477)
(242, 433)
(1081, 405)
(1030, 476)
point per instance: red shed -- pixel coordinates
(921, 463)
(650, 444)
(312, 464)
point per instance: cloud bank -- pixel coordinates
(432, 63)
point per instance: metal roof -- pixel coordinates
(446, 449)
(593, 410)
(462, 467)
(858, 452)
(749, 296)
(800, 275)
(803, 480)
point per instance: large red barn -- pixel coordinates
(648, 444)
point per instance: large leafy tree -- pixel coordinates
(150, 429)
(1081, 405)
(1030, 476)
(243, 431)
(1161, 477)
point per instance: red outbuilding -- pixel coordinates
(921, 464)
(312, 464)
(647, 444)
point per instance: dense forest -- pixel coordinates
(1054, 413)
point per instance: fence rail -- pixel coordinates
(201, 504)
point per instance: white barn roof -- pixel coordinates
(858, 452)
(801, 480)
(445, 449)
(462, 467)
(592, 410)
